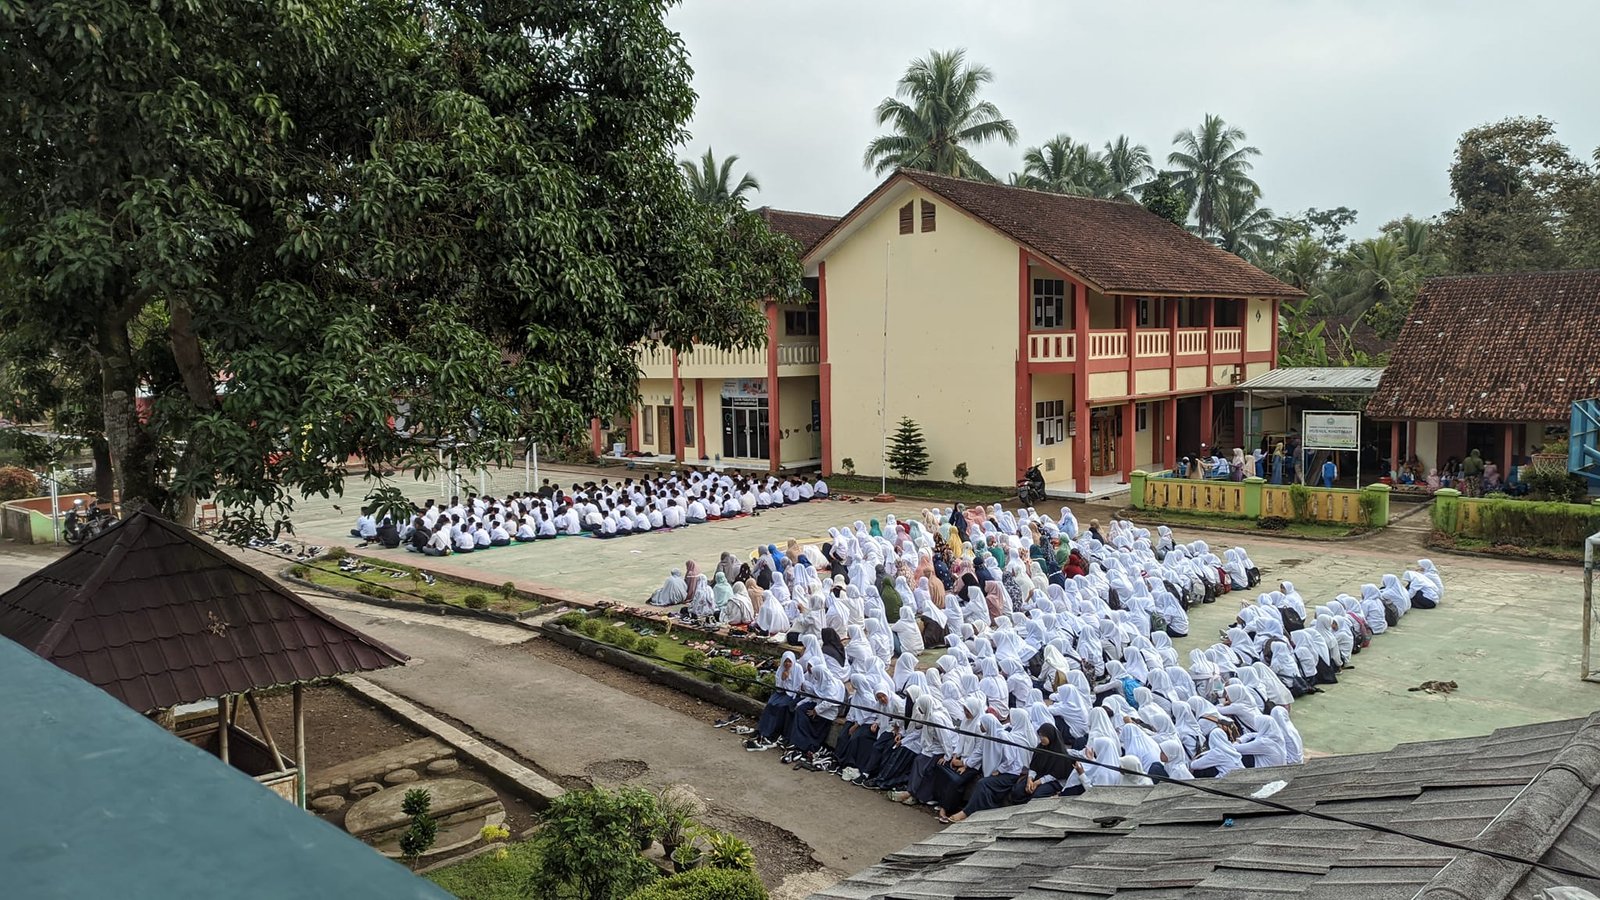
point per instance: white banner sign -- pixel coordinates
(1330, 430)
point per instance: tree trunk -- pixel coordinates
(132, 451)
(105, 479)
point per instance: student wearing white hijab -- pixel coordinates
(1422, 590)
(771, 618)
(1392, 592)
(739, 610)
(906, 631)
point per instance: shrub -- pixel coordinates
(571, 620)
(383, 593)
(475, 601)
(623, 638)
(508, 591)
(1524, 523)
(591, 627)
(724, 851)
(299, 571)
(590, 844)
(704, 884)
(1555, 484)
(1369, 510)
(961, 474)
(419, 837)
(645, 646)
(336, 553)
(17, 483)
(849, 466)
(366, 589)
(433, 597)
(694, 659)
(720, 668)
(762, 688)
(1300, 499)
(745, 676)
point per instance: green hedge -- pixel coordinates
(1524, 523)
(704, 884)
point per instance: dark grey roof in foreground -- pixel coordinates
(1528, 790)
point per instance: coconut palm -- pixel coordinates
(1243, 225)
(1372, 272)
(711, 183)
(936, 118)
(1064, 166)
(1212, 163)
(1128, 165)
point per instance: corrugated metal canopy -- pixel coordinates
(1313, 381)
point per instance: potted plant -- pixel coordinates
(685, 857)
(677, 820)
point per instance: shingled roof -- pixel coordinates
(1116, 247)
(1519, 347)
(805, 228)
(1528, 791)
(157, 617)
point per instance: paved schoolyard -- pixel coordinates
(1507, 632)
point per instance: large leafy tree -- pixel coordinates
(1212, 164)
(312, 230)
(712, 183)
(936, 118)
(1162, 196)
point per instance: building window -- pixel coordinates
(1049, 303)
(801, 323)
(927, 216)
(1141, 417)
(1049, 422)
(1227, 313)
(905, 219)
(1149, 312)
(647, 427)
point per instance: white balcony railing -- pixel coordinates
(702, 357)
(1108, 344)
(1053, 347)
(799, 354)
(1150, 343)
(1191, 341)
(1229, 340)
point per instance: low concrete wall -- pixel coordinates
(639, 665)
(1253, 498)
(439, 609)
(28, 521)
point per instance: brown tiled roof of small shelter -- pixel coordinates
(804, 228)
(157, 617)
(1518, 347)
(1118, 247)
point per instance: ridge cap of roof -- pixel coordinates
(1524, 273)
(1031, 190)
(795, 212)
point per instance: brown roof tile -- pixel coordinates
(158, 617)
(1117, 247)
(804, 228)
(1518, 347)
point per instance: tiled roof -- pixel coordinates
(1528, 790)
(157, 617)
(103, 802)
(1119, 247)
(805, 228)
(1509, 348)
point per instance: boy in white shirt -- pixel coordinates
(498, 536)
(438, 543)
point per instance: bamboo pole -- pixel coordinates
(223, 724)
(300, 742)
(266, 733)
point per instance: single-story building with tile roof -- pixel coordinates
(1491, 363)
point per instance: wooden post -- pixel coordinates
(1394, 449)
(266, 733)
(300, 743)
(222, 727)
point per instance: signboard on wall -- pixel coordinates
(745, 387)
(1329, 430)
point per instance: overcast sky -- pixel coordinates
(1352, 102)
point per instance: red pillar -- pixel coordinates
(679, 439)
(1171, 311)
(595, 437)
(1080, 388)
(633, 430)
(824, 370)
(1507, 445)
(1169, 433)
(774, 433)
(1206, 436)
(1210, 304)
(700, 439)
(1394, 448)
(1023, 383)
(1130, 421)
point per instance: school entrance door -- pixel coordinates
(744, 430)
(1103, 441)
(667, 443)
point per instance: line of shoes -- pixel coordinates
(820, 760)
(350, 566)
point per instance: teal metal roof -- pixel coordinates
(101, 802)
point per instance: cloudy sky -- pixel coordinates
(1352, 102)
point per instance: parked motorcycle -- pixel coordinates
(1030, 489)
(86, 521)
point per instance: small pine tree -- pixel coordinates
(419, 837)
(908, 453)
(960, 473)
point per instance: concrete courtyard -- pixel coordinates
(1508, 632)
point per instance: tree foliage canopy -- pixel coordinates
(309, 230)
(937, 117)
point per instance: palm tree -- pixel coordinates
(1128, 165)
(1299, 261)
(1243, 226)
(1373, 272)
(1064, 166)
(937, 118)
(708, 182)
(1212, 163)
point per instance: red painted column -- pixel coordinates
(1394, 447)
(679, 439)
(1169, 432)
(1206, 435)
(774, 433)
(700, 439)
(1210, 304)
(633, 430)
(824, 370)
(1171, 311)
(595, 437)
(1080, 388)
(1508, 444)
(1023, 383)
(1125, 445)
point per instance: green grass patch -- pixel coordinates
(943, 491)
(1518, 551)
(484, 877)
(325, 573)
(1240, 523)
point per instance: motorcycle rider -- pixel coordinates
(1034, 479)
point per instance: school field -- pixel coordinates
(1507, 632)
